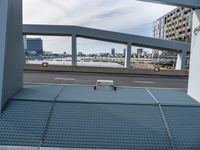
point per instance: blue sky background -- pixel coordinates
(127, 16)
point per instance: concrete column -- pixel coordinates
(11, 49)
(74, 50)
(25, 42)
(194, 72)
(181, 59)
(128, 56)
(25, 47)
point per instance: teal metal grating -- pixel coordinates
(173, 97)
(122, 95)
(105, 126)
(184, 123)
(38, 92)
(22, 123)
(78, 117)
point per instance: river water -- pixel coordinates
(67, 62)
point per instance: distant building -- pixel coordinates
(112, 52)
(175, 25)
(47, 53)
(139, 51)
(81, 54)
(104, 54)
(34, 44)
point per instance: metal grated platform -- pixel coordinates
(38, 92)
(23, 123)
(104, 126)
(44, 116)
(122, 95)
(173, 97)
(184, 123)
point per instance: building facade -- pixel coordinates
(139, 51)
(34, 44)
(175, 25)
(113, 52)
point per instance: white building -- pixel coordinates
(175, 25)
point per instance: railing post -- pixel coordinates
(128, 55)
(25, 47)
(181, 59)
(74, 50)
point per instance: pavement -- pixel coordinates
(41, 77)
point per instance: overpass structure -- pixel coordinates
(195, 4)
(11, 44)
(130, 40)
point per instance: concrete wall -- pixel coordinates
(3, 16)
(11, 49)
(194, 75)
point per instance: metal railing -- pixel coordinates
(130, 40)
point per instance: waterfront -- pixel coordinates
(136, 63)
(80, 62)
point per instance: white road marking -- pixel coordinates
(65, 79)
(144, 82)
(49, 84)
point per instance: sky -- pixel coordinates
(126, 16)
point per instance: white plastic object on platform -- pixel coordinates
(105, 85)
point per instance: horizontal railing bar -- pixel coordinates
(109, 36)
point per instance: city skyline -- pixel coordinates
(132, 17)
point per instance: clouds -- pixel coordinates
(104, 14)
(129, 16)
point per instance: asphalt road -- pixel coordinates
(119, 79)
